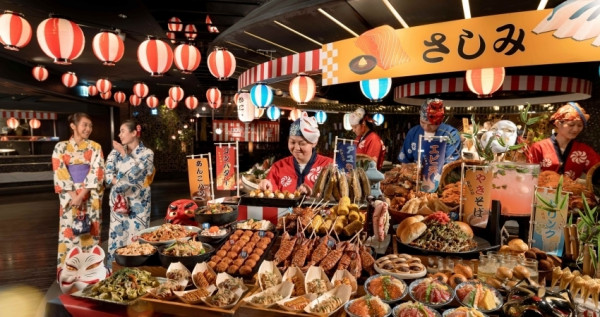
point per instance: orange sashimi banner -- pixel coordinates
(491, 41)
(199, 178)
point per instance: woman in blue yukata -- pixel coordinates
(129, 172)
(431, 124)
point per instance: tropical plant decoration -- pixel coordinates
(588, 230)
(559, 201)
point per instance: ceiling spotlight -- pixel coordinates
(185, 126)
(198, 115)
(203, 109)
(173, 137)
(218, 131)
(122, 16)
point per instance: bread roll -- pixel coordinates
(463, 270)
(520, 272)
(494, 282)
(504, 249)
(456, 279)
(503, 273)
(440, 277)
(465, 228)
(406, 223)
(517, 245)
(412, 232)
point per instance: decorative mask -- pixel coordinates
(432, 111)
(81, 269)
(182, 212)
(503, 129)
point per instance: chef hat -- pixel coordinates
(306, 127)
(432, 111)
(357, 116)
(572, 111)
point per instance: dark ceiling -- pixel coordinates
(253, 30)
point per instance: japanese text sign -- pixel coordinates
(504, 40)
(345, 156)
(477, 195)
(548, 233)
(431, 161)
(226, 167)
(199, 178)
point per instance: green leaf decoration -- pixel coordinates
(533, 120)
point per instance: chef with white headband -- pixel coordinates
(300, 170)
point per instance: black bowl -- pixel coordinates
(217, 219)
(214, 239)
(133, 260)
(188, 261)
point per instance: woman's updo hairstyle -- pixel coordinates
(132, 125)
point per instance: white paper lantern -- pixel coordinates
(245, 107)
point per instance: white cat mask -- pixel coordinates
(81, 269)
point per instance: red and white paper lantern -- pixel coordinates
(135, 100)
(12, 123)
(141, 90)
(191, 102)
(106, 95)
(172, 37)
(40, 73)
(152, 101)
(35, 123)
(176, 93)
(212, 29)
(69, 79)
(155, 56)
(187, 58)
(175, 25)
(207, 20)
(170, 103)
(60, 39)
(108, 47)
(190, 32)
(245, 108)
(213, 95)
(221, 63)
(92, 90)
(120, 97)
(302, 89)
(295, 114)
(15, 31)
(103, 85)
(485, 81)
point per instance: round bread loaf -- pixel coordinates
(407, 222)
(465, 228)
(412, 232)
(518, 245)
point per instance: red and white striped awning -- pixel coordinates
(27, 114)
(566, 89)
(256, 131)
(306, 62)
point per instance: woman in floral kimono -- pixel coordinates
(78, 165)
(560, 152)
(129, 170)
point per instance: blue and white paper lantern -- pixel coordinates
(378, 119)
(273, 113)
(321, 116)
(376, 89)
(261, 95)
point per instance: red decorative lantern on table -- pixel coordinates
(170, 103)
(69, 79)
(60, 39)
(120, 97)
(191, 102)
(103, 85)
(175, 25)
(12, 123)
(40, 73)
(221, 63)
(152, 102)
(302, 89)
(213, 95)
(108, 47)
(176, 93)
(106, 95)
(485, 81)
(141, 90)
(187, 58)
(35, 123)
(135, 100)
(15, 31)
(92, 90)
(155, 56)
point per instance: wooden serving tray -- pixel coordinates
(178, 308)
